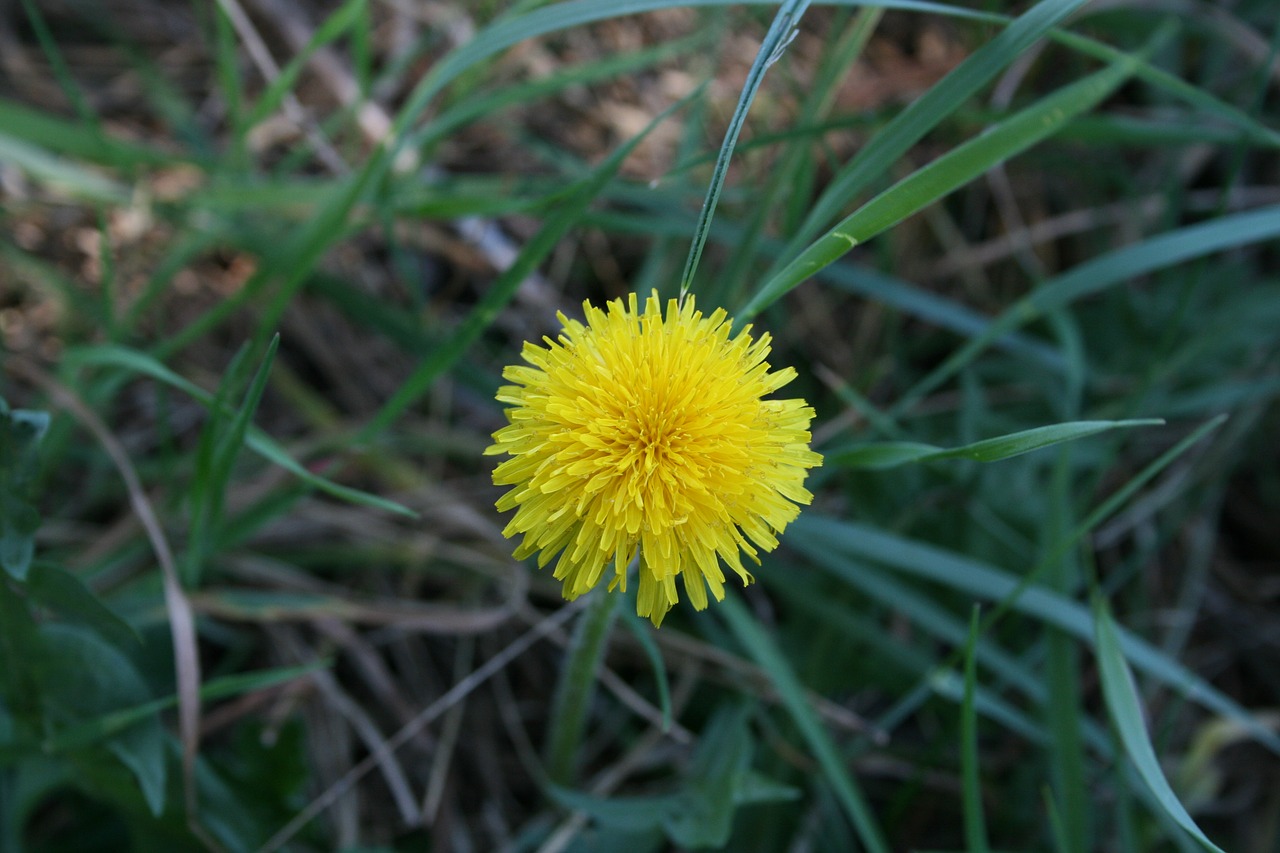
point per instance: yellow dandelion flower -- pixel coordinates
(639, 431)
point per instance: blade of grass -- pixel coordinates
(293, 262)
(1062, 675)
(639, 629)
(952, 170)
(565, 216)
(889, 454)
(788, 182)
(1024, 594)
(781, 32)
(932, 308)
(975, 824)
(231, 86)
(62, 72)
(925, 113)
(334, 27)
(506, 32)
(219, 449)
(204, 488)
(487, 105)
(257, 441)
(1125, 711)
(1159, 252)
(57, 135)
(934, 618)
(60, 174)
(1197, 97)
(822, 540)
(227, 686)
(766, 653)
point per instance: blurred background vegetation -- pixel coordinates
(261, 265)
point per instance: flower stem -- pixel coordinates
(577, 684)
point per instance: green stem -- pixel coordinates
(577, 683)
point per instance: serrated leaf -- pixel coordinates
(66, 595)
(82, 676)
(20, 434)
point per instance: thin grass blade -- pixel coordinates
(775, 42)
(975, 823)
(1125, 710)
(890, 454)
(944, 175)
(928, 111)
(255, 439)
(566, 215)
(770, 657)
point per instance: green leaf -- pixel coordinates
(889, 454)
(66, 595)
(879, 455)
(19, 521)
(19, 654)
(703, 816)
(1125, 710)
(20, 435)
(47, 132)
(81, 677)
(625, 813)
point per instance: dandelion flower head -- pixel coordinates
(643, 432)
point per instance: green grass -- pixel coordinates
(254, 593)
